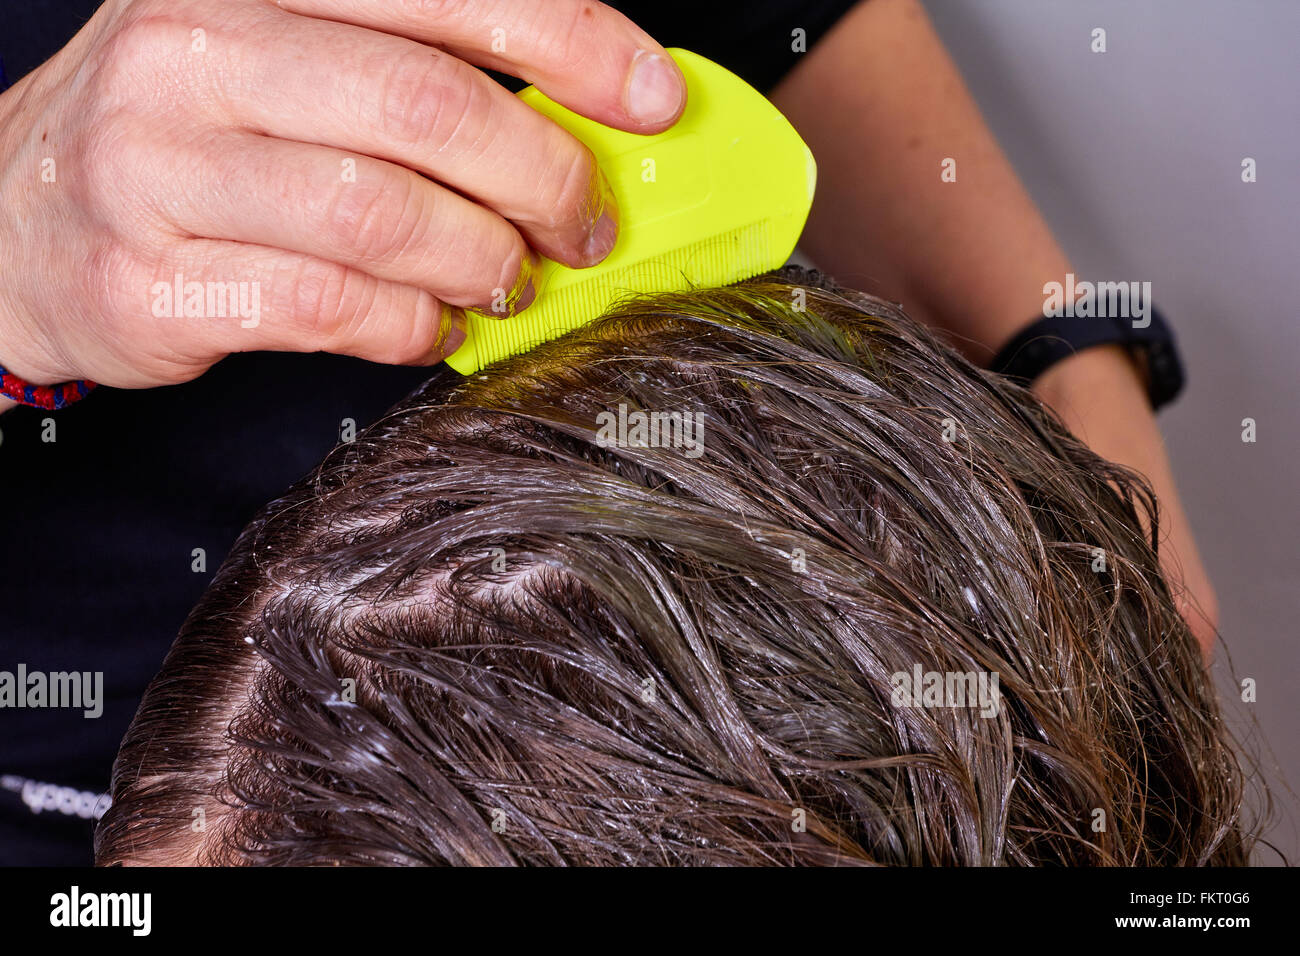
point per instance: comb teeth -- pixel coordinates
(718, 260)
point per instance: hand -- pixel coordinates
(1100, 396)
(335, 169)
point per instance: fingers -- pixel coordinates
(290, 302)
(580, 53)
(453, 175)
(412, 105)
(358, 212)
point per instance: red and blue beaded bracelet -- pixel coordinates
(42, 396)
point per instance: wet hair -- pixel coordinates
(512, 623)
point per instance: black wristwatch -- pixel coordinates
(1048, 340)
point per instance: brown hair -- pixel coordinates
(485, 633)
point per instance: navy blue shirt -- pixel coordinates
(118, 510)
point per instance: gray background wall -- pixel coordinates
(1134, 156)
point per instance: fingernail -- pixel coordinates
(505, 303)
(604, 231)
(526, 285)
(454, 325)
(601, 241)
(655, 89)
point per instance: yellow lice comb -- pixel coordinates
(721, 196)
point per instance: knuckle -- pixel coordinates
(317, 295)
(424, 99)
(575, 35)
(136, 52)
(110, 154)
(435, 10)
(376, 223)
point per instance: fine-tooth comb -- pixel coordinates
(721, 196)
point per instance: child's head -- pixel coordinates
(760, 574)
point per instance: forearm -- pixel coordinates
(882, 106)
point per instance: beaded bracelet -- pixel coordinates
(42, 396)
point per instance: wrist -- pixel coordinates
(1051, 340)
(1103, 382)
(27, 376)
(1099, 365)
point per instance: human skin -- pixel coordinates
(970, 256)
(223, 155)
